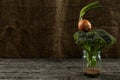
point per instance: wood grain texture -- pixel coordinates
(54, 69)
(44, 28)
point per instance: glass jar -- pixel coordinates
(91, 63)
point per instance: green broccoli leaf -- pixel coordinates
(95, 40)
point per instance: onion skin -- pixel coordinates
(84, 25)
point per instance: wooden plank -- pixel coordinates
(46, 69)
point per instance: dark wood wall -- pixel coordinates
(44, 28)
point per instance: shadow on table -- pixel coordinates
(110, 76)
(106, 76)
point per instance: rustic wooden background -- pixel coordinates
(44, 28)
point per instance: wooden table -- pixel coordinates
(49, 69)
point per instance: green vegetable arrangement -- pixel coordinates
(92, 40)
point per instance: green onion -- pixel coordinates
(88, 7)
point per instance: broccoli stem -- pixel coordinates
(91, 58)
